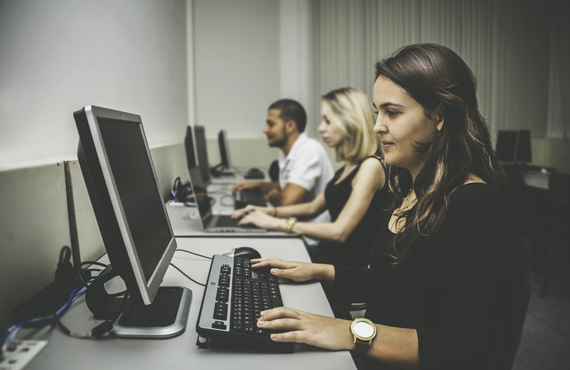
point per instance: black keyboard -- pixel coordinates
(249, 196)
(234, 296)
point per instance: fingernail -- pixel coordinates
(274, 336)
(262, 313)
(273, 271)
(260, 323)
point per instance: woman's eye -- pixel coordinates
(392, 113)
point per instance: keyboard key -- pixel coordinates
(219, 325)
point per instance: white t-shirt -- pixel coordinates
(309, 166)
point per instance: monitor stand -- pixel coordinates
(166, 317)
(218, 171)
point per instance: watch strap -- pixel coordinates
(361, 346)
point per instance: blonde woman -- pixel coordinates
(356, 197)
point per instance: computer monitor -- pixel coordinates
(190, 148)
(202, 152)
(117, 167)
(513, 146)
(524, 152)
(218, 170)
(197, 152)
(224, 149)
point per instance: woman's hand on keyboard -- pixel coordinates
(249, 209)
(260, 218)
(296, 271)
(302, 327)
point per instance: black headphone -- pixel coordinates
(180, 191)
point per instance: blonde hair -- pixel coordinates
(350, 112)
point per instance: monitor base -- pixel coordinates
(166, 317)
(218, 171)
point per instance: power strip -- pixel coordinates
(25, 352)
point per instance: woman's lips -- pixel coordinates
(387, 145)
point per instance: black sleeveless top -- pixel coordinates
(355, 251)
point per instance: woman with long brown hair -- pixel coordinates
(439, 287)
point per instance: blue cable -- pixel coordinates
(49, 319)
(13, 331)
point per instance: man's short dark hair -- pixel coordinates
(291, 110)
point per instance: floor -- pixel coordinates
(545, 343)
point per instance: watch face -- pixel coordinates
(363, 329)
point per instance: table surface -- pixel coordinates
(108, 353)
(185, 221)
(536, 179)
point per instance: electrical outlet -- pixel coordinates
(25, 351)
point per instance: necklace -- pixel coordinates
(405, 204)
(401, 221)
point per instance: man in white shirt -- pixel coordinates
(304, 166)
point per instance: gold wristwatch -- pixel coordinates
(289, 223)
(364, 332)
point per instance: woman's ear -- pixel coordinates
(440, 117)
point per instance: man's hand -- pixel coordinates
(245, 185)
(292, 194)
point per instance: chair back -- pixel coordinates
(559, 197)
(516, 311)
(274, 171)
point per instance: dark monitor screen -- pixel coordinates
(513, 146)
(125, 194)
(202, 151)
(224, 149)
(506, 146)
(190, 149)
(134, 179)
(524, 153)
(200, 195)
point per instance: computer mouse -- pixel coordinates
(243, 252)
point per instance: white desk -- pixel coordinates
(537, 179)
(239, 173)
(186, 222)
(181, 352)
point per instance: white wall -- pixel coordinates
(57, 56)
(248, 54)
(295, 54)
(236, 55)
